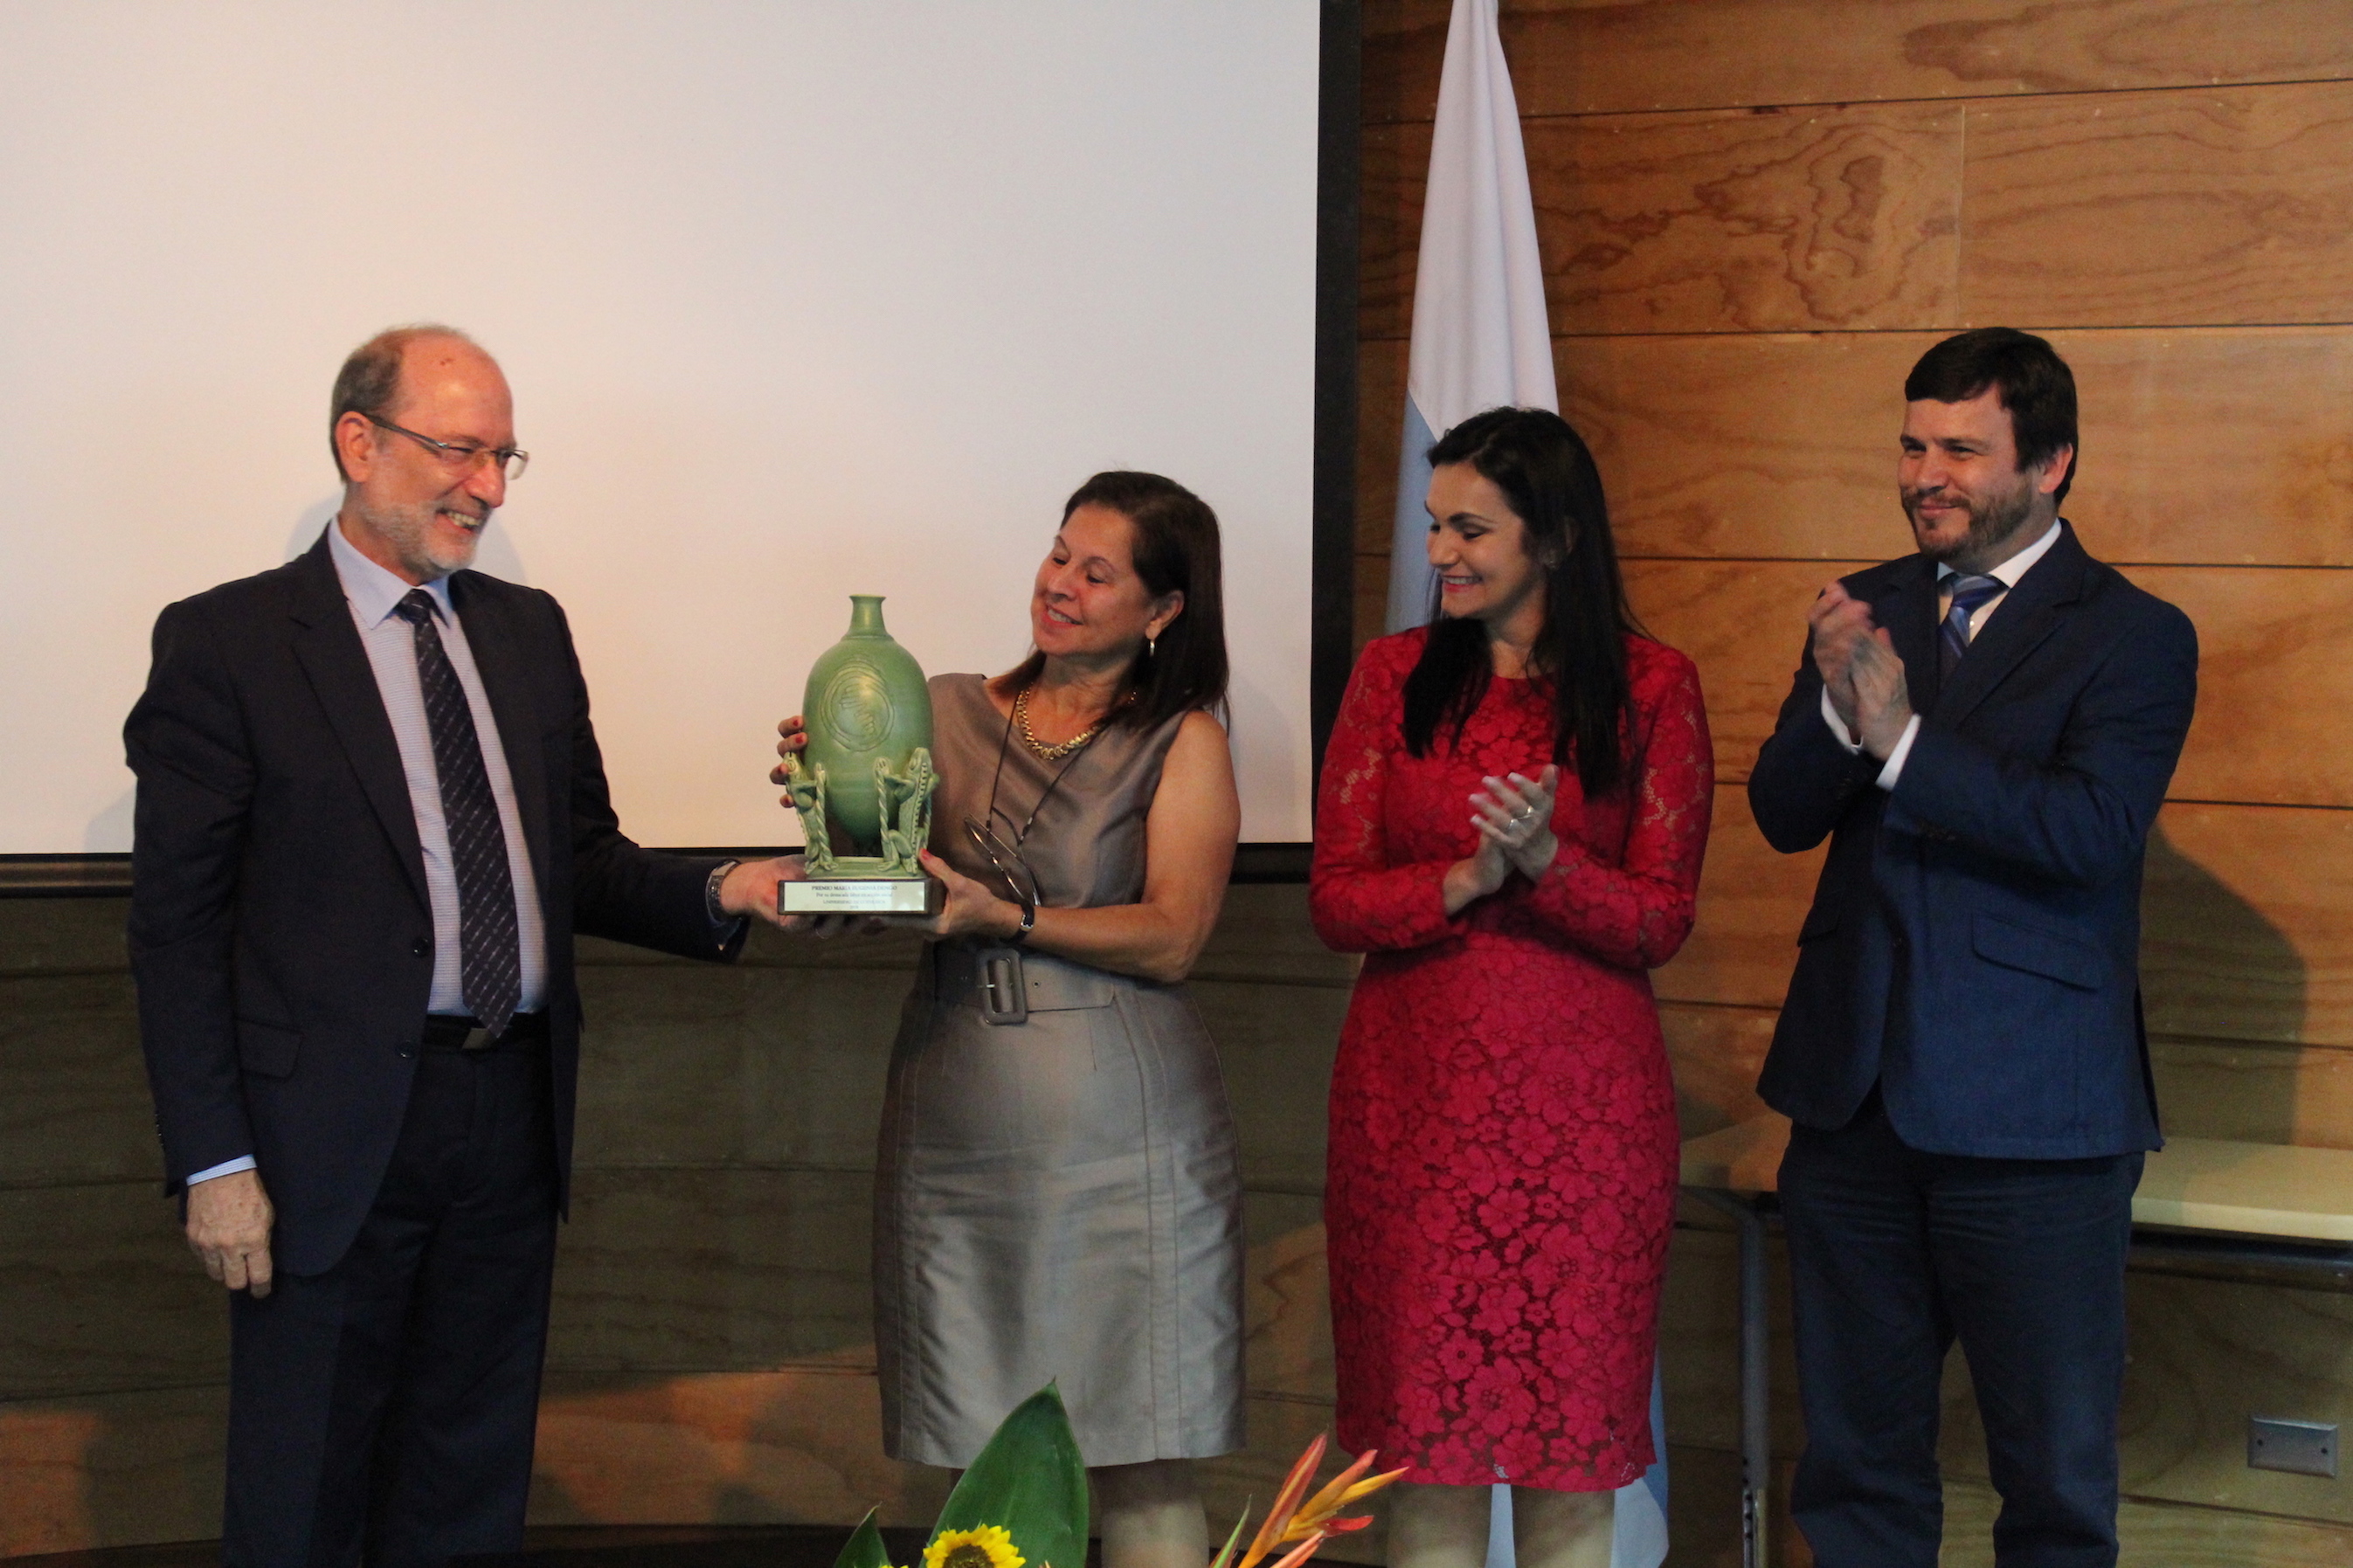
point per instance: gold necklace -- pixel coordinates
(1060, 749)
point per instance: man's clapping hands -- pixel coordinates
(1860, 670)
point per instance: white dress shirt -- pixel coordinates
(373, 595)
(2007, 573)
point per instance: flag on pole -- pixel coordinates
(1482, 339)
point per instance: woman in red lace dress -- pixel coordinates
(1514, 806)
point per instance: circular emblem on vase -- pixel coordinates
(858, 708)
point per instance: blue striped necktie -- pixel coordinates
(490, 953)
(1970, 593)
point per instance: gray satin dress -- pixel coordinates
(1057, 1196)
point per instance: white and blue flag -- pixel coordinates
(1480, 337)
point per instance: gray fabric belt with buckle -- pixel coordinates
(1009, 984)
(455, 1032)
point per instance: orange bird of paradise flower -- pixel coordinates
(1312, 1522)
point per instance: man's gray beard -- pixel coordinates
(411, 537)
(1987, 529)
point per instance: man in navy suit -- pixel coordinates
(371, 815)
(1984, 729)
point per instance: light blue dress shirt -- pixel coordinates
(373, 593)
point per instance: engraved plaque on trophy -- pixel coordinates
(863, 787)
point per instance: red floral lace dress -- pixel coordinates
(1503, 1149)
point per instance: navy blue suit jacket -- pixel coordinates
(281, 934)
(1974, 942)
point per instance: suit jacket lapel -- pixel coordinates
(2027, 616)
(1907, 608)
(328, 645)
(501, 659)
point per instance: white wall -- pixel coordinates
(797, 300)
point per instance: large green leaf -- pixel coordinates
(864, 1548)
(1030, 1481)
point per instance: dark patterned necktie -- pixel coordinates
(489, 954)
(1970, 593)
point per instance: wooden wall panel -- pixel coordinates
(1751, 901)
(1743, 624)
(1746, 445)
(1381, 428)
(794, 1443)
(2172, 207)
(2220, 445)
(713, 1269)
(1716, 1053)
(114, 1470)
(2255, 1093)
(1781, 220)
(1372, 598)
(63, 936)
(100, 1295)
(1699, 1339)
(1586, 57)
(2274, 683)
(1393, 171)
(2244, 934)
(73, 1096)
(1281, 1044)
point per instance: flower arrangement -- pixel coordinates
(1023, 1504)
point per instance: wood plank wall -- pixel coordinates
(1755, 215)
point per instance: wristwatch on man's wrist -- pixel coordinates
(718, 912)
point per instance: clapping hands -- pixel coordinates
(1514, 815)
(1514, 818)
(1860, 670)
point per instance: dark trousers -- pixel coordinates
(1893, 1254)
(384, 1411)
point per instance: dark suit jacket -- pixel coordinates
(280, 934)
(1974, 942)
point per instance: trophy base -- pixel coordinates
(861, 896)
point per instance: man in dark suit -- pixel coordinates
(371, 815)
(1984, 729)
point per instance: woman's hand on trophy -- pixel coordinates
(971, 910)
(792, 739)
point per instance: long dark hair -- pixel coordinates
(1176, 545)
(1547, 475)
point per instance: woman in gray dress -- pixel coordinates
(1057, 1194)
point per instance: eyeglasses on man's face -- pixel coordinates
(463, 455)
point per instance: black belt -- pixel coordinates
(458, 1032)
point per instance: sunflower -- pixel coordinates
(986, 1547)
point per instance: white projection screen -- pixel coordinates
(799, 299)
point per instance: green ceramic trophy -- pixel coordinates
(863, 787)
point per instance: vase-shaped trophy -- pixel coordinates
(863, 787)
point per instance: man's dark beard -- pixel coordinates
(1997, 522)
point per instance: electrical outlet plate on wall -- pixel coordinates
(2304, 1448)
